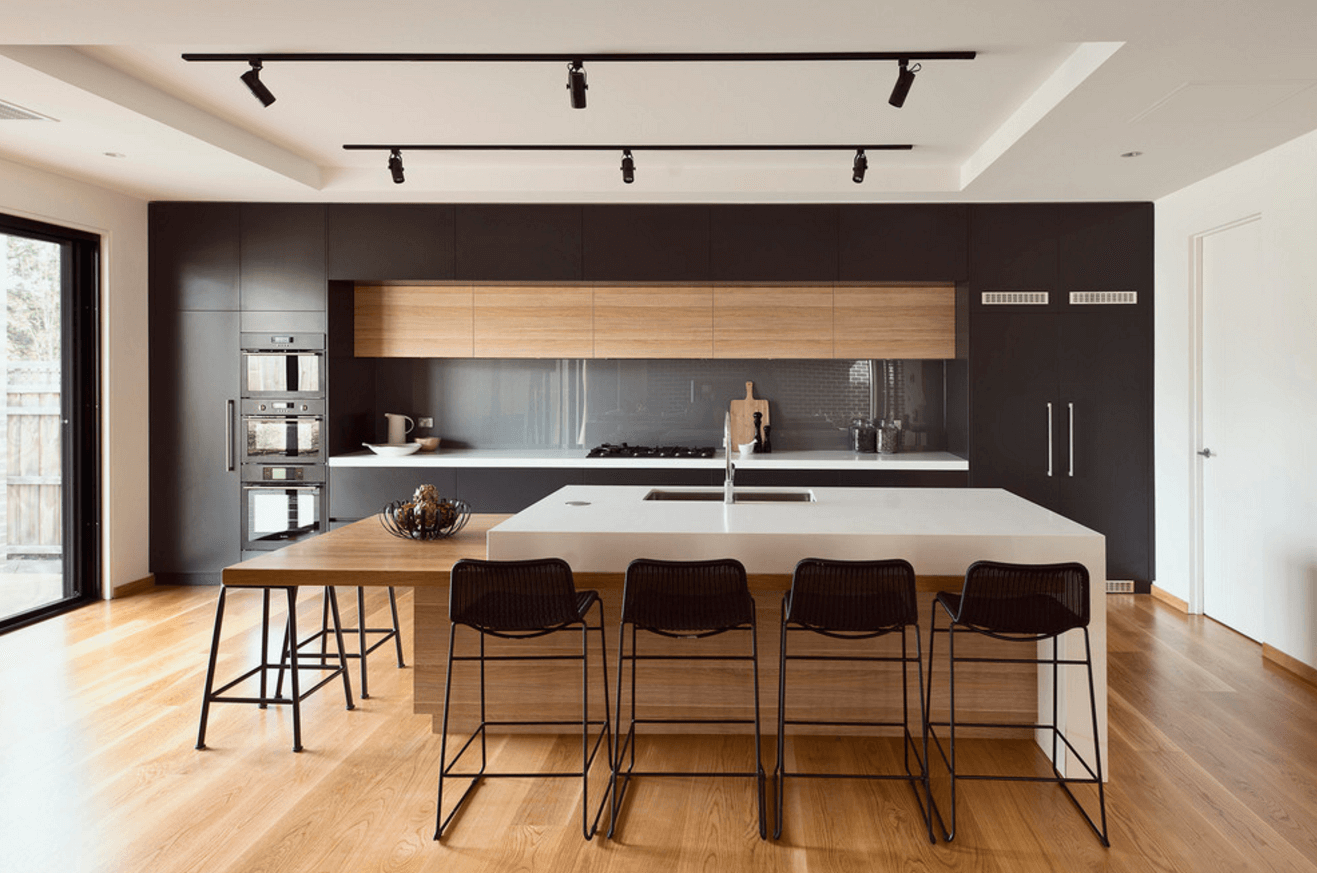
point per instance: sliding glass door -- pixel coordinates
(49, 430)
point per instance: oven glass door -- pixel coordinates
(282, 438)
(274, 517)
(282, 374)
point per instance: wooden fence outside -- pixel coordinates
(33, 498)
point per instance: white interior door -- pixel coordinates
(1235, 518)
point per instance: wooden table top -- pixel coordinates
(364, 553)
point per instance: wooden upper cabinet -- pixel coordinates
(413, 321)
(653, 322)
(534, 321)
(894, 322)
(772, 321)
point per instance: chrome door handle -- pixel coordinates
(1207, 453)
(1072, 439)
(228, 436)
(1049, 438)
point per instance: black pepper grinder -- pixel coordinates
(767, 448)
(759, 438)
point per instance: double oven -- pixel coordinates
(282, 439)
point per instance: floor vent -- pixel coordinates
(1015, 298)
(11, 112)
(1120, 586)
(1103, 298)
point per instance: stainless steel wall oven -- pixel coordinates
(283, 432)
(278, 366)
(282, 439)
(282, 504)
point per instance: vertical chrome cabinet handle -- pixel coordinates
(1049, 438)
(228, 436)
(1072, 439)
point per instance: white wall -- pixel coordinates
(1281, 187)
(121, 222)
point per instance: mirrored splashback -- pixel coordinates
(509, 404)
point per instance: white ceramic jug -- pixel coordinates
(399, 426)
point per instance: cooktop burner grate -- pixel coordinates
(608, 450)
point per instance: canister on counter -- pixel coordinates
(864, 435)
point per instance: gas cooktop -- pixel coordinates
(608, 450)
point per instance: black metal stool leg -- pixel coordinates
(265, 644)
(951, 730)
(608, 716)
(614, 790)
(779, 774)
(292, 668)
(210, 670)
(759, 743)
(361, 638)
(934, 809)
(342, 652)
(1097, 744)
(439, 821)
(923, 719)
(397, 627)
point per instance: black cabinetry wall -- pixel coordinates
(218, 268)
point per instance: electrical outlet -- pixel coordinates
(425, 422)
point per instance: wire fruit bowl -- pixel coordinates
(425, 519)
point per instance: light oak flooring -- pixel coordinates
(1213, 768)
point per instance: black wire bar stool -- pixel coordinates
(291, 659)
(1025, 603)
(520, 600)
(856, 600)
(364, 646)
(683, 600)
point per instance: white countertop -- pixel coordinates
(807, 460)
(939, 530)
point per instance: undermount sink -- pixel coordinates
(716, 495)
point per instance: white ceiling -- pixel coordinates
(1059, 91)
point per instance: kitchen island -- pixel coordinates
(600, 529)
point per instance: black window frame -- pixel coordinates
(80, 403)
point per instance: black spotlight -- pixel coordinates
(859, 167)
(576, 84)
(252, 79)
(395, 166)
(904, 79)
(628, 167)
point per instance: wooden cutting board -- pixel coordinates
(743, 416)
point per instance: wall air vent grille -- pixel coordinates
(11, 112)
(1103, 298)
(1015, 298)
(1120, 586)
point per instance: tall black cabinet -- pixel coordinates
(1061, 392)
(194, 313)
(216, 270)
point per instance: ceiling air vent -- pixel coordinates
(1015, 298)
(1103, 298)
(11, 112)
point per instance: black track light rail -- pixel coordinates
(568, 57)
(667, 147)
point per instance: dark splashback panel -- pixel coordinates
(510, 404)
